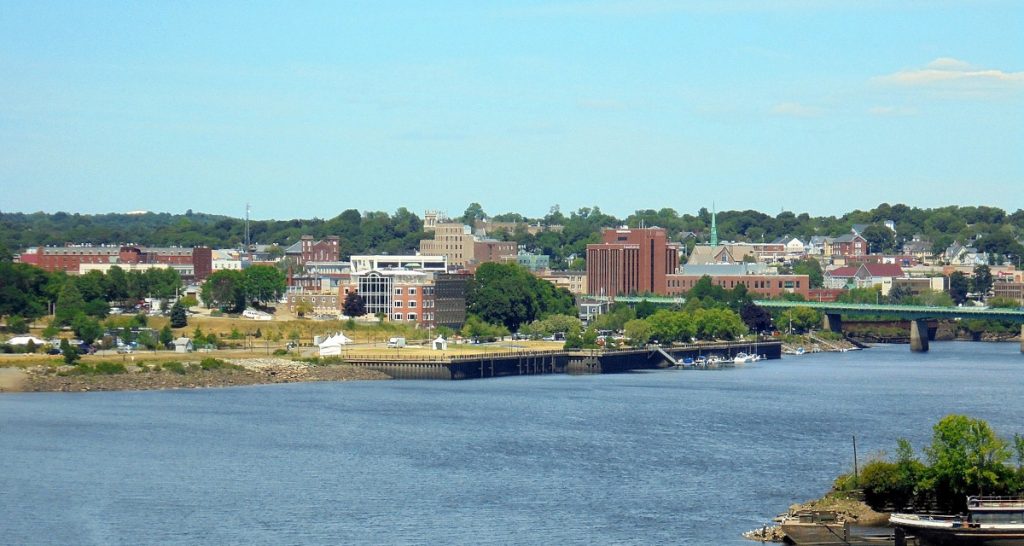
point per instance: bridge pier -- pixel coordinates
(919, 336)
(833, 322)
(1022, 338)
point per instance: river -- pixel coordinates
(664, 457)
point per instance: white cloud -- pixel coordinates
(797, 110)
(954, 73)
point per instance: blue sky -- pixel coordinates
(309, 108)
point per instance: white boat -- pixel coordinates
(743, 358)
(990, 521)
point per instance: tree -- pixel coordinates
(224, 289)
(303, 308)
(802, 319)
(69, 304)
(638, 331)
(264, 284)
(880, 239)
(70, 353)
(982, 280)
(86, 329)
(756, 317)
(811, 268)
(166, 336)
(966, 458)
(645, 309)
(473, 213)
(959, 286)
(354, 305)
(900, 293)
(179, 318)
(17, 325)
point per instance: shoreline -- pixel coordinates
(238, 373)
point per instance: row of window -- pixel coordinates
(411, 316)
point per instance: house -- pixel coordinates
(959, 254)
(847, 245)
(183, 345)
(840, 277)
(815, 246)
(729, 253)
(919, 248)
(864, 276)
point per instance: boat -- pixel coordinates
(990, 521)
(813, 527)
(744, 358)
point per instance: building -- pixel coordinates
(765, 286)
(69, 259)
(436, 263)
(533, 262)
(450, 299)
(849, 245)
(456, 243)
(918, 285)
(306, 250)
(631, 261)
(573, 281)
(319, 302)
(400, 295)
(864, 276)
(451, 240)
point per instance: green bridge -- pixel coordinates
(916, 314)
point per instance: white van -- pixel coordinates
(396, 343)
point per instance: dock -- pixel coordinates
(513, 363)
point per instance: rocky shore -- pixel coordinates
(239, 372)
(846, 509)
(813, 344)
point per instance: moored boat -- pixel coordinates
(990, 521)
(812, 527)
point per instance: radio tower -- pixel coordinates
(247, 242)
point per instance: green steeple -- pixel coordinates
(714, 228)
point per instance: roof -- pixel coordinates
(883, 270)
(182, 341)
(847, 271)
(859, 228)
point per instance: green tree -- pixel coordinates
(811, 268)
(179, 318)
(264, 284)
(69, 304)
(645, 309)
(981, 282)
(959, 286)
(473, 213)
(166, 335)
(354, 305)
(802, 319)
(880, 239)
(224, 289)
(966, 458)
(69, 352)
(638, 331)
(87, 329)
(17, 325)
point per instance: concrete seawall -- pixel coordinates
(552, 362)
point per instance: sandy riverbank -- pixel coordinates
(255, 371)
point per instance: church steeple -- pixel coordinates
(714, 228)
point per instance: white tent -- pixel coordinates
(23, 340)
(440, 344)
(332, 345)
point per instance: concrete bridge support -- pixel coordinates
(833, 323)
(1022, 338)
(919, 336)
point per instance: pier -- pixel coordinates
(514, 363)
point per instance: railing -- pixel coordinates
(995, 501)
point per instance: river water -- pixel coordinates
(666, 457)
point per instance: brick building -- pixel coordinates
(306, 250)
(631, 261)
(766, 286)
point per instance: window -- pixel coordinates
(396, 316)
(398, 303)
(398, 291)
(412, 316)
(412, 291)
(412, 304)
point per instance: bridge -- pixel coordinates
(916, 314)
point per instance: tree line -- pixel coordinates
(994, 230)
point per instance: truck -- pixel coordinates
(396, 343)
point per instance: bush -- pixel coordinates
(173, 367)
(279, 352)
(17, 325)
(109, 368)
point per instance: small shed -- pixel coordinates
(183, 345)
(440, 344)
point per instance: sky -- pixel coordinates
(305, 109)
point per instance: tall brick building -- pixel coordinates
(631, 261)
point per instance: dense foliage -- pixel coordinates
(509, 295)
(965, 457)
(994, 230)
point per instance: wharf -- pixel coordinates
(512, 363)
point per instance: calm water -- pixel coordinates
(647, 458)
